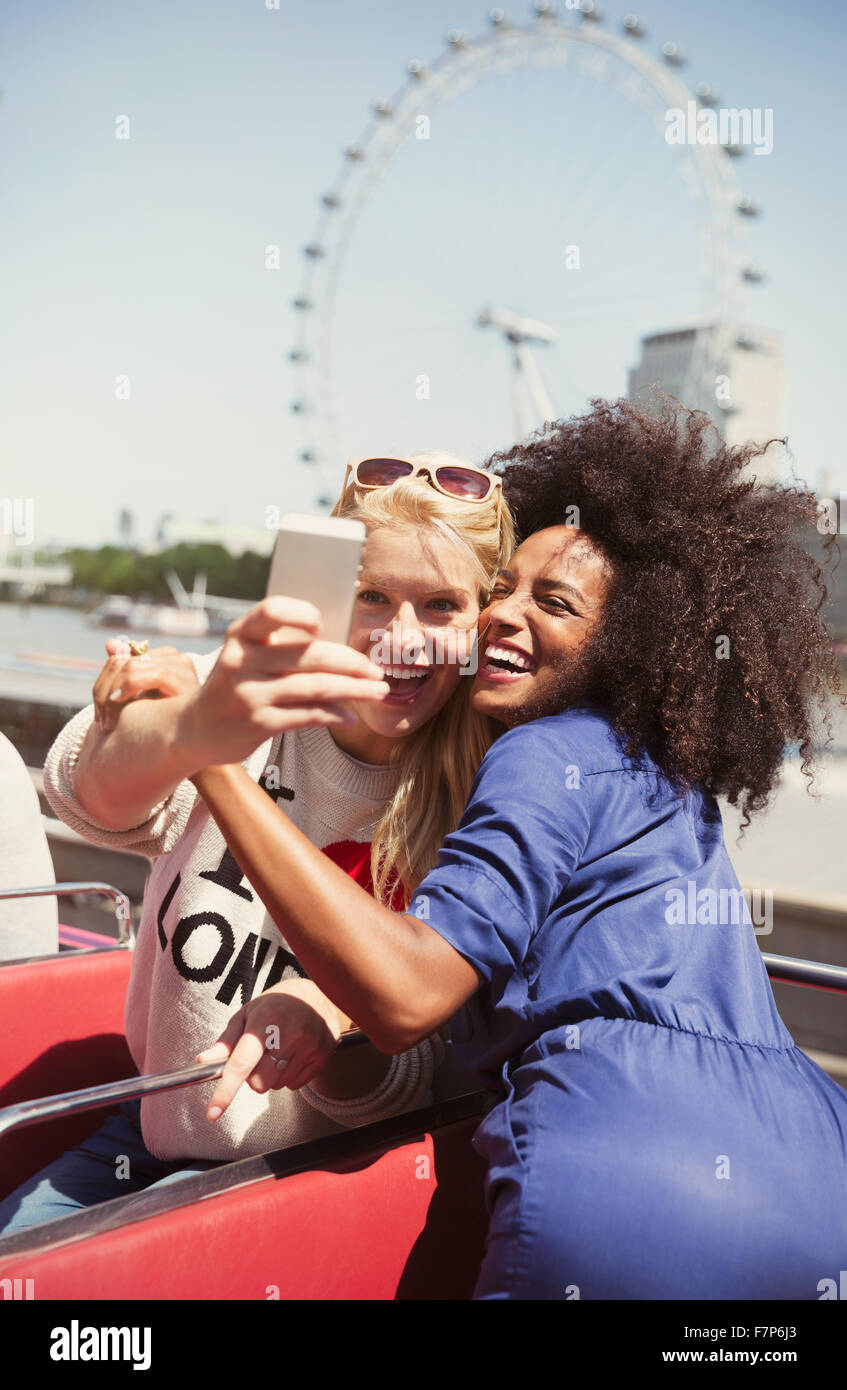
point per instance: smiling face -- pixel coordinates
(417, 602)
(542, 610)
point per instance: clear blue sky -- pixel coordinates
(145, 257)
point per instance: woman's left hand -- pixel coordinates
(293, 1022)
(159, 671)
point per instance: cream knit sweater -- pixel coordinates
(206, 945)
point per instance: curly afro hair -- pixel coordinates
(711, 654)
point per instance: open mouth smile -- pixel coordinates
(405, 683)
(504, 663)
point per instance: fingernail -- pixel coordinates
(116, 694)
(214, 1112)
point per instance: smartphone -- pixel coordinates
(318, 558)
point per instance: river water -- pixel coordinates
(55, 631)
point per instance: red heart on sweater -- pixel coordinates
(354, 858)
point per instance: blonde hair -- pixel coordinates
(439, 761)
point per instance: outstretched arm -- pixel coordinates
(273, 673)
(390, 972)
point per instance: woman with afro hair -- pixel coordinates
(654, 642)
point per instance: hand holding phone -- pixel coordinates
(318, 558)
(276, 671)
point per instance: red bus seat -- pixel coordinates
(62, 1030)
(394, 1210)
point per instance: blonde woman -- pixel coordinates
(373, 760)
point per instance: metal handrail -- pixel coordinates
(58, 890)
(790, 970)
(33, 1112)
(787, 969)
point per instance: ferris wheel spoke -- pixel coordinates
(539, 182)
(613, 190)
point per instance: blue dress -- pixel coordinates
(659, 1135)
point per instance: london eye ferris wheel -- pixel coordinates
(522, 183)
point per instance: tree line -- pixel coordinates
(113, 569)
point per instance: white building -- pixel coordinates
(734, 374)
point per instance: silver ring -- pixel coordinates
(282, 1063)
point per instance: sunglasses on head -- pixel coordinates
(464, 481)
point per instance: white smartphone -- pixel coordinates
(318, 558)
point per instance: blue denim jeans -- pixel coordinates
(88, 1174)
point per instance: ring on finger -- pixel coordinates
(282, 1063)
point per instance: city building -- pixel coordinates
(734, 374)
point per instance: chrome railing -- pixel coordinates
(105, 890)
(784, 969)
(791, 971)
(33, 1112)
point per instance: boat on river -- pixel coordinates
(128, 615)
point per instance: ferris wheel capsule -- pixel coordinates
(706, 94)
(673, 54)
(747, 207)
(633, 26)
(323, 391)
